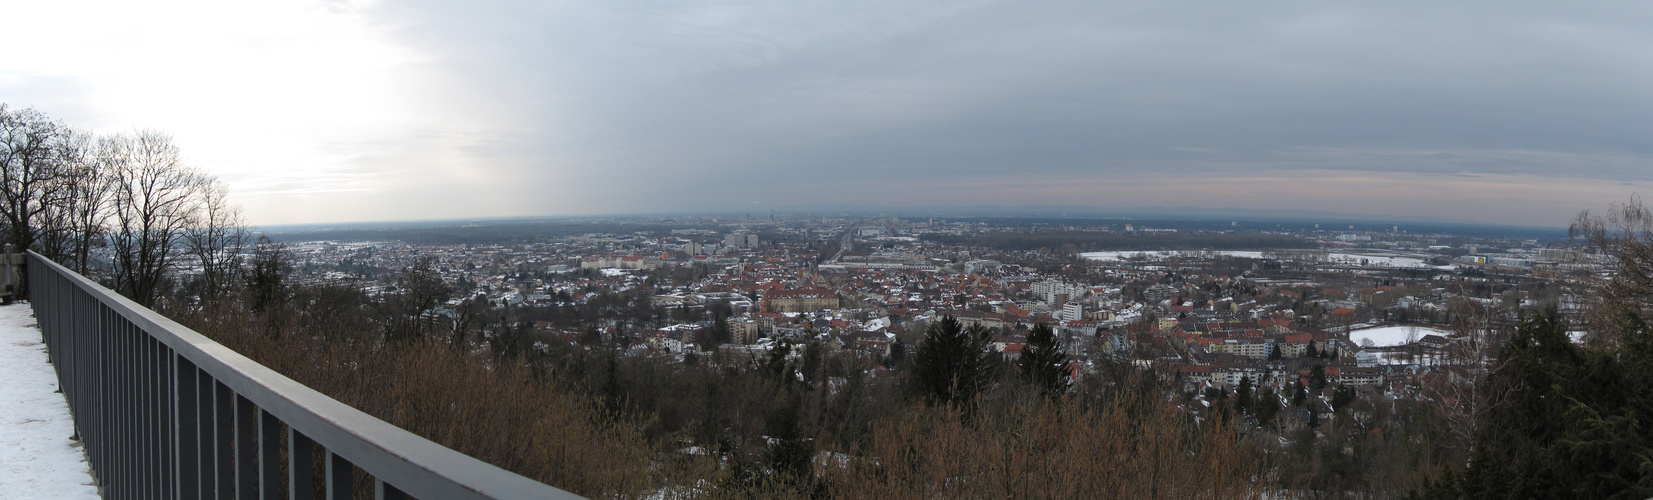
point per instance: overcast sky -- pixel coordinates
(1496, 112)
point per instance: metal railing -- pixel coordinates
(163, 412)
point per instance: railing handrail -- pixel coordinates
(412, 463)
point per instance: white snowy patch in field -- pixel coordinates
(1392, 335)
(1374, 259)
(37, 458)
(1161, 254)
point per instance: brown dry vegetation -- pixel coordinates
(602, 426)
(495, 412)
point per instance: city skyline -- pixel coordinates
(362, 111)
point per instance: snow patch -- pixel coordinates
(1389, 336)
(37, 458)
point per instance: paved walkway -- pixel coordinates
(37, 458)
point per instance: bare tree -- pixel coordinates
(1458, 386)
(91, 186)
(155, 200)
(1623, 240)
(70, 224)
(30, 161)
(216, 240)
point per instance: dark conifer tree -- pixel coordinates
(953, 363)
(1243, 396)
(1572, 421)
(1043, 365)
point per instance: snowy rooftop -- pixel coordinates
(37, 458)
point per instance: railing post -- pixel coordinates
(301, 462)
(162, 427)
(246, 449)
(128, 456)
(188, 441)
(169, 454)
(152, 418)
(206, 447)
(339, 471)
(269, 456)
(224, 436)
(104, 414)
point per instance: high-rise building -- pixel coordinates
(1073, 311)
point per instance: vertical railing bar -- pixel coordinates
(117, 420)
(134, 417)
(102, 414)
(127, 455)
(146, 412)
(339, 472)
(246, 450)
(142, 396)
(140, 407)
(300, 465)
(223, 402)
(206, 447)
(169, 454)
(101, 461)
(164, 419)
(157, 427)
(140, 438)
(188, 450)
(146, 381)
(269, 456)
(129, 426)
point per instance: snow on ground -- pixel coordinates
(1130, 254)
(1392, 335)
(1373, 259)
(37, 458)
(1380, 260)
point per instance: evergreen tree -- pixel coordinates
(775, 365)
(953, 363)
(1243, 396)
(1043, 365)
(267, 278)
(1573, 422)
(789, 453)
(1268, 407)
(1317, 379)
(1343, 395)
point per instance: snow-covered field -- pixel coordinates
(1341, 258)
(37, 458)
(1130, 254)
(1386, 336)
(1379, 260)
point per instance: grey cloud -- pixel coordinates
(637, 104)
